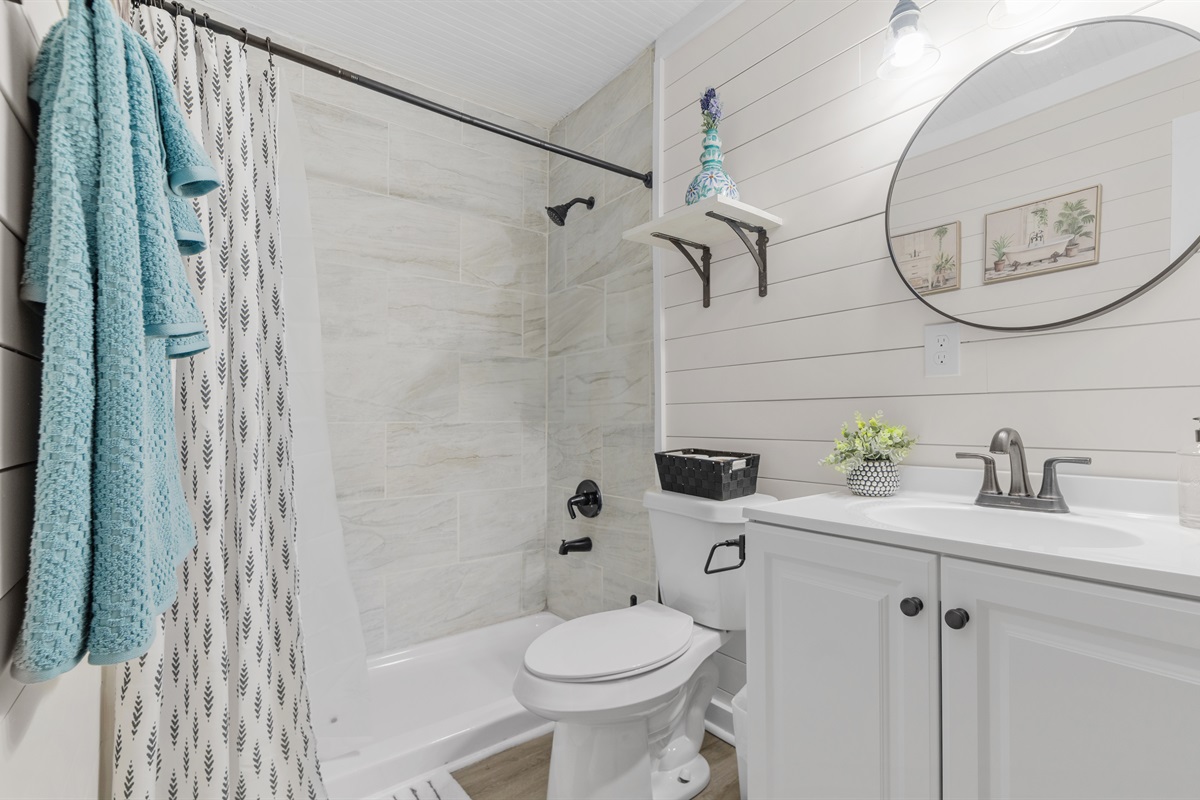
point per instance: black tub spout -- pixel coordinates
(583, 545)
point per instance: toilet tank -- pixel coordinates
(684, 529)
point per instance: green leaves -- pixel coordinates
(1074, 218)
(866, 440)
(1000, 247)
(943, 263)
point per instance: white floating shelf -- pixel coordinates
(694, 224)
(710, 222)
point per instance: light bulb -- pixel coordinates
(908, 50)
(910, 46)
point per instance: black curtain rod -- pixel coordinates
(205, 21)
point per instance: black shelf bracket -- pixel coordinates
(758, 250)
(703, 269)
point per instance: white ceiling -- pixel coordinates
(537, 60)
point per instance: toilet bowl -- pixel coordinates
(628, 689)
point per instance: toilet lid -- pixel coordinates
(611, 644)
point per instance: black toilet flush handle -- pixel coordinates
(587, 500)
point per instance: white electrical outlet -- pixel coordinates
(941, 350)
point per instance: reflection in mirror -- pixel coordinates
(1060, 179)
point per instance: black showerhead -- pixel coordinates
(558, 214)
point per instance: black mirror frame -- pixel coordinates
(1136, 293)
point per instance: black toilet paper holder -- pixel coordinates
(739, 543)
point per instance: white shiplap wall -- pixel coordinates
(813, 136)
(49, 733)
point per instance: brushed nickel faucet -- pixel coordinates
(1007, 440)
(1049, 498)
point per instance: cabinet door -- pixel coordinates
(1060, 688)
(843, 686)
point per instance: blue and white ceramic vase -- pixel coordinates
(713, 179)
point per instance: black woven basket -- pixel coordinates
(716, 480)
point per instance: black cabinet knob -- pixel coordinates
(911, 606)
(957, 618)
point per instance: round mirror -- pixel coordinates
(1058, 181)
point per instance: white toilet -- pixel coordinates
(628, 689)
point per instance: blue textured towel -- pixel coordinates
(110, 521)
(188, 168)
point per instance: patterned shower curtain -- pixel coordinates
(219, 708)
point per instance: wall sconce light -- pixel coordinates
(1011, 13)
(908, 50)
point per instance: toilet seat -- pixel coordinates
(611, 645)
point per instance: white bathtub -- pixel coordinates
(445, 702)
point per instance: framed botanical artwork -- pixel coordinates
(930, 259)
(1060, 232)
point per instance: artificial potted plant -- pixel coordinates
(868, 453)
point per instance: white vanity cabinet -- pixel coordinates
(1060, 689)
(1054, 688)
(843, 687)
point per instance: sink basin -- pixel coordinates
(1026, 529)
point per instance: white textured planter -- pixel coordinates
(874, 479)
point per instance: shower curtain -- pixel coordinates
(219, 707)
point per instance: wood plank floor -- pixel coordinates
(523, 772)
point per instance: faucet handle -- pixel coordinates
(990, 484)
(1049, 490)
(586, 499)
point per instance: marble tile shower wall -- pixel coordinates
(431, 251)
(599, 320)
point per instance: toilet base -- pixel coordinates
(612, 762)
(683, 783)
(653, 756)
(599, 762)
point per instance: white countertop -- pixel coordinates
(1161, 556)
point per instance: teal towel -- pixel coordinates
(110, 521)
(169, 309)
(185, 154)
(188, 236)
(189, 173)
